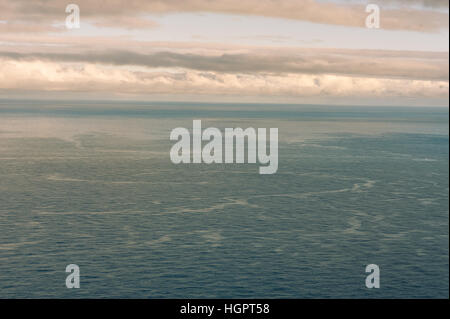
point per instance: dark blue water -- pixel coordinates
(92, 184)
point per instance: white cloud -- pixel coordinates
(50, 76)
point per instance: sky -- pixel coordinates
(287, 51)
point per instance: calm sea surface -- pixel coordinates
(92, 184)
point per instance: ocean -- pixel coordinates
(91, 183)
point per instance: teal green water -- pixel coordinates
(92, 184)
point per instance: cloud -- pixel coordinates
(334, 13)
(126, 22)
(51, 76)
(424, 3)
(387, 64)
(35, 58)
(27, 28)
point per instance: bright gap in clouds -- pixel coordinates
(264, 31)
